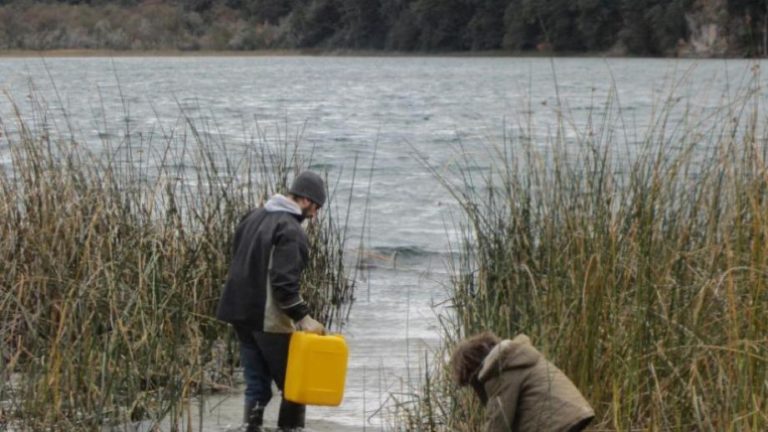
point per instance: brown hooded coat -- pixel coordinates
(527, 393)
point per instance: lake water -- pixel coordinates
(351, 107)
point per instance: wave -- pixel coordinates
(394, 257)
(405, 251)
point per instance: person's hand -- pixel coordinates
(310, 325)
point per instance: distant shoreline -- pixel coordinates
(142, 53)
(64, 53)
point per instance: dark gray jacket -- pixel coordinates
(270, 251)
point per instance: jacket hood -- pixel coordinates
(280, 203)
(509, 354)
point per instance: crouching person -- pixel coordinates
(521, 390)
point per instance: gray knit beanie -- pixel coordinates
(309, 185)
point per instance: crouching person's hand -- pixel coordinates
(310, 325)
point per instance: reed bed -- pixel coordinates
(640, 269)
(112, 257)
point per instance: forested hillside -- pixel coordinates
(617, 27)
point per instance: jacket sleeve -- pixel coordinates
(501, 409)
(288, 260)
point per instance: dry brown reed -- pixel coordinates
(643, 275)
(112, 256)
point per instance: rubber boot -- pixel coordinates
(253, 417)
(291, 417)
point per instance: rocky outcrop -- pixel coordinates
(708, 23)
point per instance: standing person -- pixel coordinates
(521, 390)
(262, 300)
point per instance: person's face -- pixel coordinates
(308, 207)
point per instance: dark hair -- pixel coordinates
(468, 356)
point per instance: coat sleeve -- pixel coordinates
(501, 409)
(288, 260)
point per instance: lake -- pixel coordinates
(388, 108)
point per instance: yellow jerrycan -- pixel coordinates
(317, 368)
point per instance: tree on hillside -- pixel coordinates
(399, 22)
(750, 25)
(11, 29)
(653, 27)
(667, 19)
(522, 27)
(267, 11)
(635, 32)
(85, 2)
(312, 22)
(559, 21)
(361, 24)
(485, 30)
(598, 22)
(441, 23)
(197, 5)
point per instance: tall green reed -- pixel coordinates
(641, 271)
(112, 257)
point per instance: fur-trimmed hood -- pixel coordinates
(509, 354)
(527, 393)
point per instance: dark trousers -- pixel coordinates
(264, 357)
